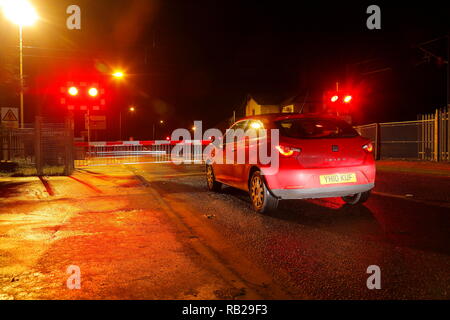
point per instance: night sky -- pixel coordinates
(197, 60)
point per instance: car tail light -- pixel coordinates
(287, 151)
(368, 147)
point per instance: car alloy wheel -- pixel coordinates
(209, 176)
(262, 199)
(211, 182)
(257, 192)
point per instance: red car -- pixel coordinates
(318, 157)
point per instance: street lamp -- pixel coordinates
(21, 13)
(131, 109)
(118, 74)
(161, 122)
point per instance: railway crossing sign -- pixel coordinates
(95, 123)
(10, 117)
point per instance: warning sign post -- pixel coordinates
(10, 117)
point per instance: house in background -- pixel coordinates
(257, 104)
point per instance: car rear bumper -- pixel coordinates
(299, 178)
(324, 192)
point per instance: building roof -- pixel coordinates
(277, 99)
(266, 98)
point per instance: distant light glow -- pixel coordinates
(20, 12)
(93, 92)
(255, 125)
(194, 128)
(118, 74)
(73, 91)
(334, 98)
(347, 99)
(132, 109)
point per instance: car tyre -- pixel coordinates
(357, 198)
(262, 199)
(211, 182)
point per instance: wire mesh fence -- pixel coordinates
(406, 140)
(38, 148)
(17, 145)
(53, 144)
(427, 138)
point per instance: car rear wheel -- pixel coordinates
(211, 182)
(357, 198)
(262, 199)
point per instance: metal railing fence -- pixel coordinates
(132, 152)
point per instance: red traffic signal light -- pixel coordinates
(82, 96)
(93, 92)
(73, 91)
(344, 98)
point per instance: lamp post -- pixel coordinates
(118, 76)
(21, 13)
(130, 109)
(160, 122)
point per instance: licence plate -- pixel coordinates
(337, 178)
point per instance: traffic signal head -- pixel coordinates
(82, 96)
(341, 98)
(339, 101)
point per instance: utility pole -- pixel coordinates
(89, 130)
(21, 75)
(120, 125)
(337, 90)
(448, 70)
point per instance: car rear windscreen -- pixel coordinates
(315, 128)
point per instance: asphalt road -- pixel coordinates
(321, 249)
(153, 231)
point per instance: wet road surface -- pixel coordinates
(154, 231)
(322, 248)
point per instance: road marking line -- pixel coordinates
(427, 202)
